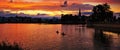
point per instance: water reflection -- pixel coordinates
(48, 37)
(104, 41)
(33, 36)
(101, 42)
(77, 37)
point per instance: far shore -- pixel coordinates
(106, 25)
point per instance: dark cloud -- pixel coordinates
(8, 14)
(51, 8)
(76, 6)
(115, 1)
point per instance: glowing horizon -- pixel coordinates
(52, 7)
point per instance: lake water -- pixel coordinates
(44, 37)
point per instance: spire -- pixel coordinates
(79, 14)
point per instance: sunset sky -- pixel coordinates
(52, 7)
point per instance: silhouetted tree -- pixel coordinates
(102, 13)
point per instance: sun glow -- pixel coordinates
(33, 7)
(35, 12)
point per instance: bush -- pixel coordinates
(7, 46)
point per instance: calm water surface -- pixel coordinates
(44, 37)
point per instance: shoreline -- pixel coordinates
(106, 27)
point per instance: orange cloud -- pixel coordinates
(26, 5)
(53, 5)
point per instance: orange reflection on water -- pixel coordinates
(44, 37)
(33, 36)
(114, 37)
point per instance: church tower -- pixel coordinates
(79, 13)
